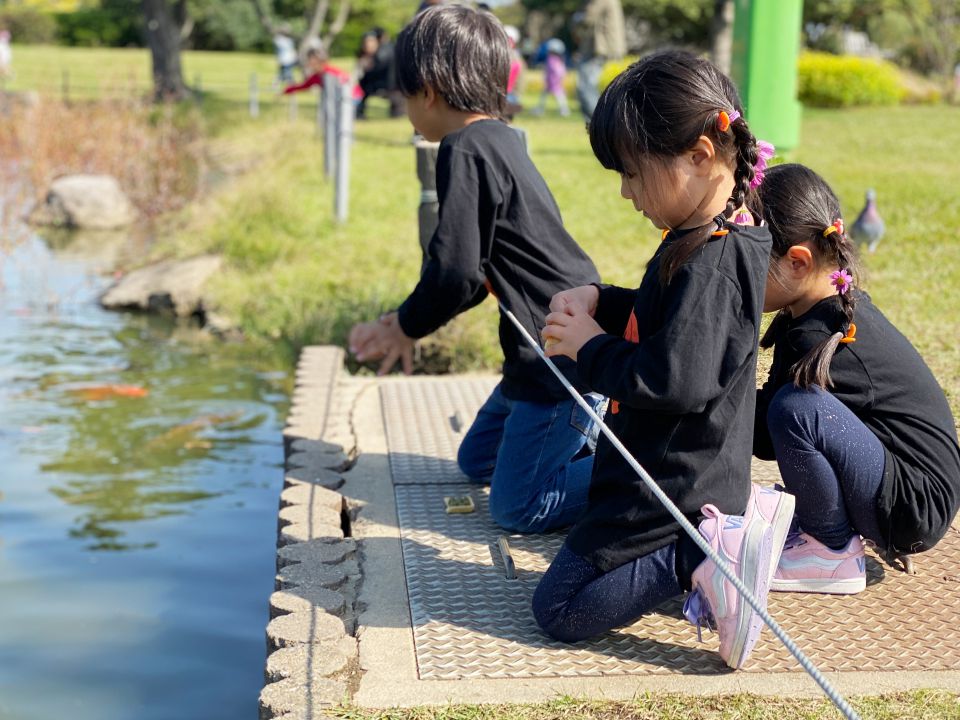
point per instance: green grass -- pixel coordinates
(295, 276)
(919, 705)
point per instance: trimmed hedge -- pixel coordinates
(27, 25)
(827, 80)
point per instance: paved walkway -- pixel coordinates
(385, 598)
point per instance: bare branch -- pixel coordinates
(263, 16)
(338, 24)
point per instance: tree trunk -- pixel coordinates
(721, 34)
(163, 37)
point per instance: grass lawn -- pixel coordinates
(921, 705)
(296, 277)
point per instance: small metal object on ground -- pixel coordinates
(503, 550)
(459, 503)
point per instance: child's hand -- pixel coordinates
(383, 339)
(585, 297)
(568, 331)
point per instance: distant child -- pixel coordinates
(858, 424)
(554, 73)
(516, 67)
(317, 67)
(6, 55)
(286, 51)
(499, 231)
(677, 358)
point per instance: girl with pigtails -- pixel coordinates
(860, 428)
(677, 359)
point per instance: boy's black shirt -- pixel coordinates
(685, 381)
(884, 381)
(499, 222)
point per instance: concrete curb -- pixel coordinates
(311, 652)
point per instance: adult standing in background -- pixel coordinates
(601, 36)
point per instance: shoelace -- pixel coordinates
(697, 611)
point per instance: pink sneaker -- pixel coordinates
(746, 545)
(776, 507)
(807, 565)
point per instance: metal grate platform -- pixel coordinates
(470, 622)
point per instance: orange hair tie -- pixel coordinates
(850, 336)
(723, 121)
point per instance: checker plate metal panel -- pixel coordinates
(470, 622)
(426, 419)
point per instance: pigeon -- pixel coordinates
(869, 227)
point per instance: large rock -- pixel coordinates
(93, 202)
(172, 286)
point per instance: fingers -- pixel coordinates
(389, 361)
(406, 360)
(558, 302)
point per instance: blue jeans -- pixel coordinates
(576, 600)
(525, 451)
(830, 461)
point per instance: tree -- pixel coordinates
(164, 29)
(721, 34)
(318, 16)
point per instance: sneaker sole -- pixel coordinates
(755, 563)
(851, 586)
(780, 525)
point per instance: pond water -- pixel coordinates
(140, 466)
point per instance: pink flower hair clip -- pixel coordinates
(765, 151)
(842, 280)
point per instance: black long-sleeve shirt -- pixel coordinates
(884, 381)
(498, 222)
(679, 362)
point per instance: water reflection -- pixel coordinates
(139, 471)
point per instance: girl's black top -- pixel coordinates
(884, 381)
(679, 365)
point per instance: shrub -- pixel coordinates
(614, 68)
(29, 26)
(845, 81)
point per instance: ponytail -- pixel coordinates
(746, 154)
(814, 367)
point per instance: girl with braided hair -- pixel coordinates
(860, 428)
(677, 358)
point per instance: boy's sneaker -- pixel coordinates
(776, 507)
(746, 545)
(807, 565)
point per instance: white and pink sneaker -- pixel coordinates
(776, 507)
(807, 565)
(746, 545)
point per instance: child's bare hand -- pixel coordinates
(568, 331)
(384, 340)
(585, 296)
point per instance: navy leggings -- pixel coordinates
(830, 461)
(576, 600)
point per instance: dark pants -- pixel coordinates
(576, 600)
(830, 461)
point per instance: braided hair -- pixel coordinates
(799, 206)
(655, 111)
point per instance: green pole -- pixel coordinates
(766, 42)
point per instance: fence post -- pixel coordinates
(65, 86)
(330, 84)
(292, 107)
(429, 210)
(254, 97)
(344, 139)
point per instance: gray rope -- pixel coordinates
(835, 697)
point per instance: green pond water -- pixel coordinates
(137, 531)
